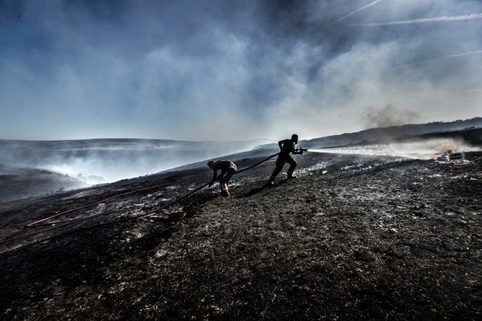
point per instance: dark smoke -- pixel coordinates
(231, 70)
(389, 115)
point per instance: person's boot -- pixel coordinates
(270, 183)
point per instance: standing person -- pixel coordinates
(227, 169)
(286, 147)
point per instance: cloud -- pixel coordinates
(425, 20)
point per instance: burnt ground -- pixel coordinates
(351, 238)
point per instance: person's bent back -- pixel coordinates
(227, 169)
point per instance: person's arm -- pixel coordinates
(214, 177)
(297, 151)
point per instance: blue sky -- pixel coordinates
(214, 69)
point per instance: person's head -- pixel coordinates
(294, 138)
(211, 164)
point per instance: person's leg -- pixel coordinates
(228, 176)
(225, 191)
(279, 167)
(292, 163)
(222, 181)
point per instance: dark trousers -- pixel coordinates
(224, 178)
(280, 162)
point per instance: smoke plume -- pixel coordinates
(388, 115)
(232, 70)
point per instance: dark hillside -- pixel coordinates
(394, 133)
(17, 183)
(352, 238)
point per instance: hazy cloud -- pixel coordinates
(212, 69)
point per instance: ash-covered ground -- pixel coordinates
(352, 238)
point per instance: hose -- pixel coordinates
(125, 219)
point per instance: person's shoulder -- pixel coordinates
(223, 162)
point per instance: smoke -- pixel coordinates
(388, 115)
(237, 70)
(452, 146)
(102, 161)
(424, 149)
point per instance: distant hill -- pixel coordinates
(109, 160)
(18, 183)
(393, 133)
(105, 160)
(469, 130)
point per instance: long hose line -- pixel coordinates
(258, 163)
(122, 219)
(125, 219)
(48, 218)
(89, 205)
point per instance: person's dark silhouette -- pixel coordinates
(287, 147)
(227, 169)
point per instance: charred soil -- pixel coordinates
(351, 238)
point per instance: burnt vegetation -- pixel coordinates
(353, 237)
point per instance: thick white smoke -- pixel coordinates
(240, 70)
(426, 149)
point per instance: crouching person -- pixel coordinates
(227, 170)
